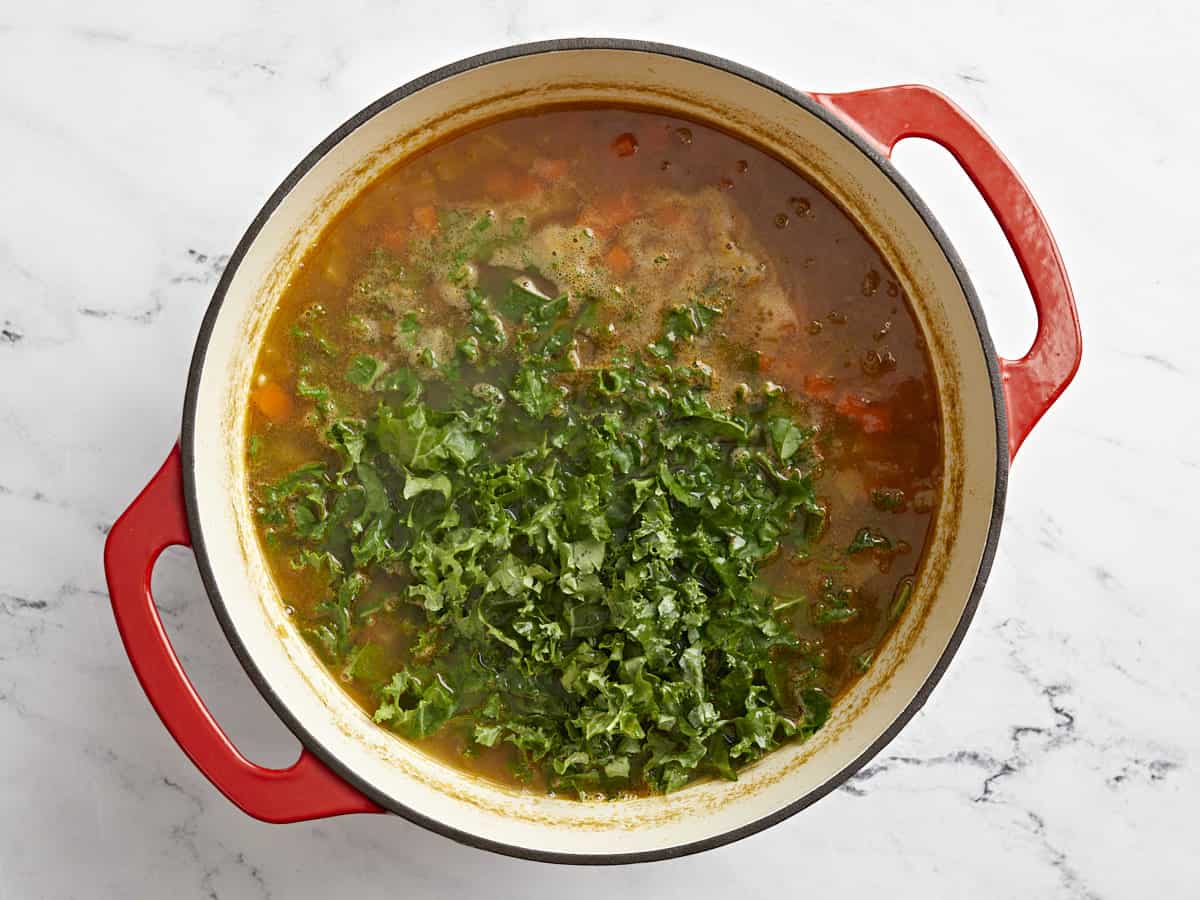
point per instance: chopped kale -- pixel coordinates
(584, 570)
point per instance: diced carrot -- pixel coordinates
(272, 401)
(787, 366)
(505, 184)
(618, 209)
(549, 169)
(425, 218)
(609, 212)
(619, 262)
(872, 417)
(625, 144)
(819, 387)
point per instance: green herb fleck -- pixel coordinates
(868, 539)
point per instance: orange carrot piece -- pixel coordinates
(618, 261)
(619, 209)
(272, 401)
(625, 144)
(505, 184)
(425, 218)
(873, 418)
(819, 387)
(610, 212)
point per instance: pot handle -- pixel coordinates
(154, 521)
(885, 116)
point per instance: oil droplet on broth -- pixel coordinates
(800, 206)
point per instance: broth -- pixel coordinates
(613, 301)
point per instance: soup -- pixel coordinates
(595, 451)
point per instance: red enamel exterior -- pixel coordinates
(885, 116)
(154, 521)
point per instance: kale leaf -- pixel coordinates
(580, 575)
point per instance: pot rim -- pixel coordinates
(188, 440)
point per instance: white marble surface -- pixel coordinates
(1058, 758)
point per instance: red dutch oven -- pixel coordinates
(199, 497)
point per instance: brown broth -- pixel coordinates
(849, 349)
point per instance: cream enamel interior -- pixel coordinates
(393, 767)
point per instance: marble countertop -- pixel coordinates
(1059, 756)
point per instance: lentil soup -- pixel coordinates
(595, 450)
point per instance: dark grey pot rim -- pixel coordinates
(188, 437)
